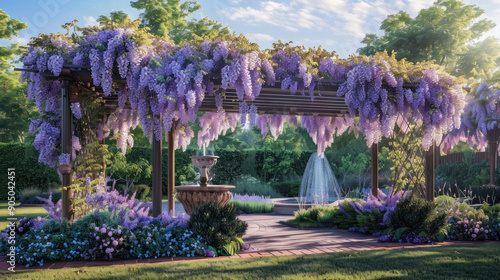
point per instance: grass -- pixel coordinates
(250, 207)
(477, 261)
(20, 212)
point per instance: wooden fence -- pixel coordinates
(457, 157)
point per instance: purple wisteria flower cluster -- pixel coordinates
(166, 84)
(481, 114)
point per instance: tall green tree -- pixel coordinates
(15, 109)
(448, 32)
(169, 18)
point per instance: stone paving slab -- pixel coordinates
(268, 236)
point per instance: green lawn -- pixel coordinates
(20, 212)
(477, 261)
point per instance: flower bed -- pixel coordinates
(120, 228)
(402, 218)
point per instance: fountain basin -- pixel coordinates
(192, 196)
(287, 206)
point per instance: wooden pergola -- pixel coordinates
(272, 100)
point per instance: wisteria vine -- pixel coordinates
(161, 86)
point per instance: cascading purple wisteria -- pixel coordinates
(324, 129)
(214, 124)
(481, 114)
(121, 122)
(378, 97)
(164, 86)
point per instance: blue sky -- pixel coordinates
(337, 25)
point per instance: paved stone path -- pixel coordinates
(269, 236)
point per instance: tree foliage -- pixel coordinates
(447, 32)
(169, 18)
(15, 110)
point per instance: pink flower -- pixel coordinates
(110, 233)
(115, 243)
(477, 225)
(96, 229)
(103, 230)
(119, 231)
(476, 230)
(121, 239)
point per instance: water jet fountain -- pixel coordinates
(194, 195)
(318, 187)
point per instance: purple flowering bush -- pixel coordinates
(370, 216)
(119, 228)
(464, 229)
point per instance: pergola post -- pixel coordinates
(66, 147)
(492, 147)
(375, 169)
(429, 172)
(171, 171)
(157, 176)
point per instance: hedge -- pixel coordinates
(29, 172)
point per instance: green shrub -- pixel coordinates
(452, 173)
(485, 193)
(417, 216)
(249, 207)
(253, 186)
(87, 223)
(54, 227)
(142, 191)
(219, 226)
(448, 200)
(478, 174)
(326, 217)
(288, 188)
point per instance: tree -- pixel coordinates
(115, 17)
(447, 32)
(8, 28)
(15, 109)
(168, 18)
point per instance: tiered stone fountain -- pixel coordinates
(192, 196)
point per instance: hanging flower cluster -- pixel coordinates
(481, 115)
(373, 92)
(163, 86)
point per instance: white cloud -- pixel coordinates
(23, 41)
(259, 37)
(414, 6)
(292, 16)
(89, 21)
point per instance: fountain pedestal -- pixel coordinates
(192, 196)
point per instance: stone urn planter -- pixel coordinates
(192, 196)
